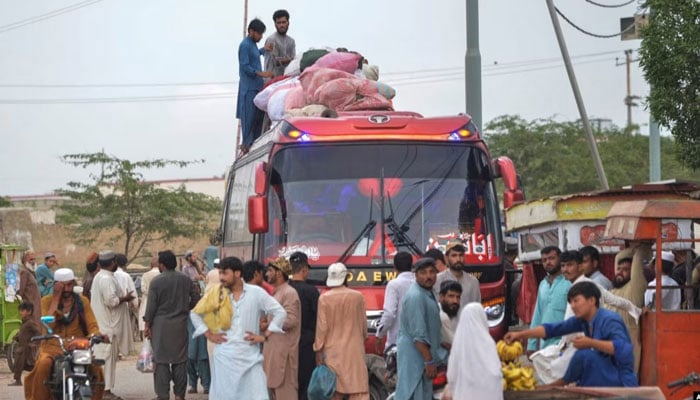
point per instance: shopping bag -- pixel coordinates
(322, 383)
(145, 361)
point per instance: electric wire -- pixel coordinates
(611, 5)
(428, 72)
(578, 28)
(48, 15)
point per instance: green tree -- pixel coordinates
(552, 158)
(5, 202)
(670, 58)
(119, 200)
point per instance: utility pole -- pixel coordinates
(593, 147)
(472, 64)
(654, 138)
(629, 98)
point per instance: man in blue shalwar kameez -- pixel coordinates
(418, 346)
(250, 82)
(605, 356)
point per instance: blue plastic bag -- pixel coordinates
(322, 383)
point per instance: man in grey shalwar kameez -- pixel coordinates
(170, 297)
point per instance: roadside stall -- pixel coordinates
(670, 348)
(10, 321)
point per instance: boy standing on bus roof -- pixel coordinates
(283, 46)
(250, 82)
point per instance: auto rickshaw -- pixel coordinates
(670, 348)
(10, 321)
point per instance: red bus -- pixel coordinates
(361, 186)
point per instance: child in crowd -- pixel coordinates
(24, 352)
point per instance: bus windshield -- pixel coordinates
(337, 202)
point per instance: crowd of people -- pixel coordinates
(249, 330)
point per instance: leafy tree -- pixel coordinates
(5, 202)
(118, 199)
(552, 157)
(670, 56)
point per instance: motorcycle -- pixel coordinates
(70, 375)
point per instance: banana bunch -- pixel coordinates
(516, 377)
(509, 352)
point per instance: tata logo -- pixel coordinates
(379, 119)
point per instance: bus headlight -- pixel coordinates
(495, 310)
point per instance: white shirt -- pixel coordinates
(104, 299)
(448, 326)
(601, 280)
(670, 298)
(393, 299)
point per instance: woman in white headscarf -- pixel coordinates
(474, 369)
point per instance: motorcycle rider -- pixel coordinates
(74, 319)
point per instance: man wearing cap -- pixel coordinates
(341, 330)
(237, 371)
(308, 296)
(393, 295)
(419, 340)
(670, 298)
(44, 276)
(630, 284)
(471, 293)
(28, 286)
(146, 280)
(92, 268)
(105, 300)
(171, 296)
(74, 318)
(281, 352)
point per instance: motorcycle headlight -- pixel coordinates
(495, 310)
(79, 369)
(82, 357)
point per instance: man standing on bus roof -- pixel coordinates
(454, 254)
(250, 82)
(282, 46)
(551, 297)
(419, 345)
(590, 264)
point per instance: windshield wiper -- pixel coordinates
(365, 231)
(346, 254)
(399, 232)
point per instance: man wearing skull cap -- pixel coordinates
(74, 318)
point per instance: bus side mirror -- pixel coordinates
(260, 178)
(257, 214)
(506, 170)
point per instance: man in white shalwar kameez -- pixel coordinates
(105, 299)
(552, 362)
(474, 369)
(146, 279)
(126, 285)
(237, 371)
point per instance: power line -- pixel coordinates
(133, 99)
(48, 15)
(578, 28)
(431, 72)
(611, 5)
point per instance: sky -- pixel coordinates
(146, 79)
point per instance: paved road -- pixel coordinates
(131, 384)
